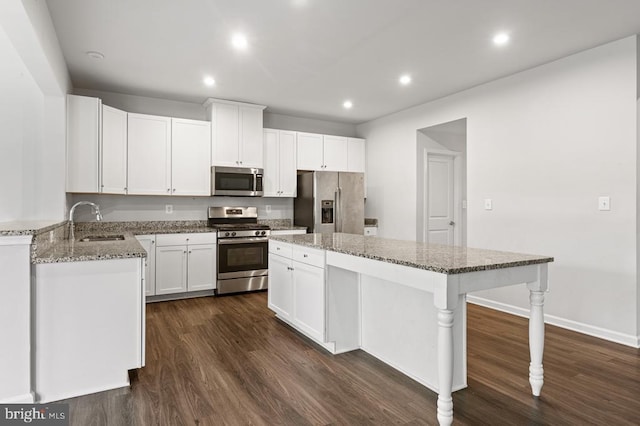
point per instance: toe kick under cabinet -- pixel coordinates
(297, 288)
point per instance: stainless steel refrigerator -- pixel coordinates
(330, 202)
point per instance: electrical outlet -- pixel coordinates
(604, 203)
(488, 204)
(268, 208)
(168, 208)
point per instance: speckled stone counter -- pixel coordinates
(77, 251)
(431, 257)
(281, 225)
(25, 227)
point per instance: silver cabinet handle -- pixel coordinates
(169, 190)
(305, 255)
(452, 223)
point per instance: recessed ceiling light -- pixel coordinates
(405, 79)
(347, 104)
(501, 39)
(239, 41)
(209, 81)
(94, 55)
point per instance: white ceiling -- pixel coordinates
(306, 57)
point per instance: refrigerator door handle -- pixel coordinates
(339, 210)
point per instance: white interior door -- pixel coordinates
(440, 199)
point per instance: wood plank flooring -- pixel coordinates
(229, 361)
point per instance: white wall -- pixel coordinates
(544, 144)
(33, 83)
(116, 208)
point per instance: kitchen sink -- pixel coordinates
(98, 238)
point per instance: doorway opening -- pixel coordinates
(442, 183)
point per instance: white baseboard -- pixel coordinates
(27, 398)
(602, 333)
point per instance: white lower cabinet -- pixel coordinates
(297, 287)
(308, 299)
(185, 262)
(280, 297)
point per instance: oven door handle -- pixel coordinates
(242, 240)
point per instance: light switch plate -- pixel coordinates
(168, 208)
(604, 203)
(488, 204)
(268, 208)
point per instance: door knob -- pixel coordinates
(452, 223)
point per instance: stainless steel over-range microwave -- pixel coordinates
(236, 181)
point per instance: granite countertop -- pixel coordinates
(51, 245)
(431, 257)
(288, 228)
(27, 227)
(78, 251)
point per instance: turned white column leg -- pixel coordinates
(445, 366)
(536, 341)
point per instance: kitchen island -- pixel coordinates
(401, 301)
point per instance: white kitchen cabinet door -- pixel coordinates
(271, 175)
(171, 269)
(287, 164)
(279, 163)
(190, 154)
(149, 244)
(250, 152)
(201, 273)
(226, 135)
(280, 296)
(356, 155)
(114, 151)
(335, 153)
(308, 299)
(84, 133)
(149, 149)
(309, 151)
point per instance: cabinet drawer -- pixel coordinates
(280, 248)
(308, 255)
(182, 239)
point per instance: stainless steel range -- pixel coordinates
(243, 249)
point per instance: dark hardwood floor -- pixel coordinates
(229, 361)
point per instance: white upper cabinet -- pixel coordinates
(251, 154)
(225, 134)
(356, 155)
(279, 163)
(335, 153)
(236, 134)
(84, 134)
(114, 151)
(323, 152)
(149, 148)
(310, 152)
(190, 154)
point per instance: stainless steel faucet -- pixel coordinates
(95, 209)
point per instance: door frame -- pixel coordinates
(457, 193)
